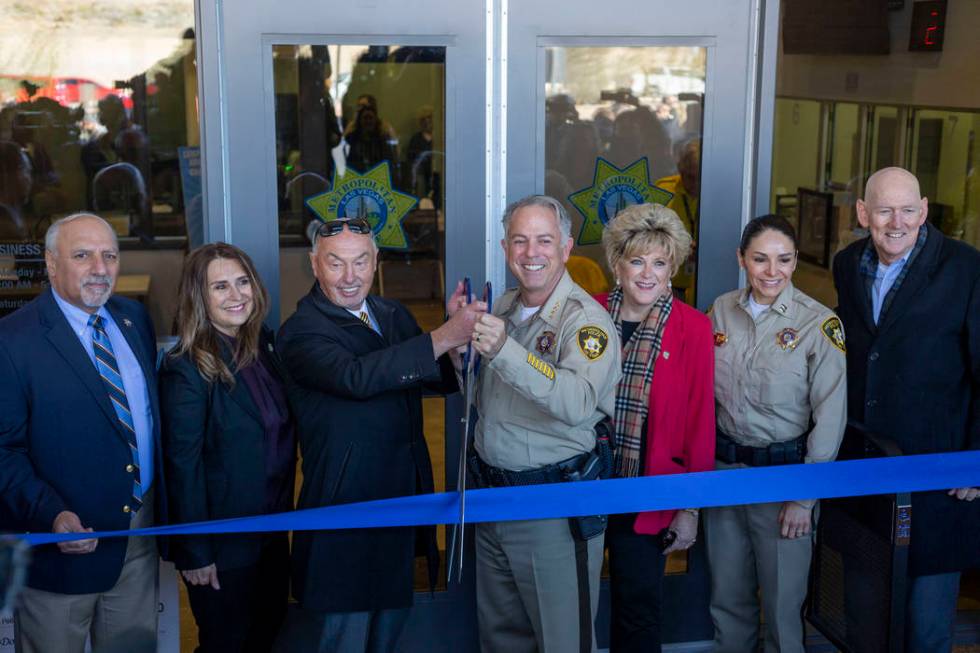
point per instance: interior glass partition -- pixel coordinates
(834, 157)
(623, 125)
(98, 113)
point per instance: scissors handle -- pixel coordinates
(488, 299)
(468, 292)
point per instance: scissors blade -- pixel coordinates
(461, 483)
(456, 546)
(473, 369)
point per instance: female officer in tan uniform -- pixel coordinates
(780, 398)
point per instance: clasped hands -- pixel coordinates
(470, 323)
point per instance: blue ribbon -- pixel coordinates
(702, 490)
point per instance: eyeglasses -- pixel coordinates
(334, 227)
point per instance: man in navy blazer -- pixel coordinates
(80, 448)
(909, 298)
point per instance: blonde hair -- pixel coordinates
(640, 228)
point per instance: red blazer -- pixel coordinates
(681, 409)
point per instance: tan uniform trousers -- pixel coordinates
(527, 592)
(122, 620)
(747, 556)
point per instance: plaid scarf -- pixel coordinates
(633, 392)
(868, 267)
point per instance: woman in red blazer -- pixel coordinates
(665, 409)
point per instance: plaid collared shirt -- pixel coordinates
(868, 267)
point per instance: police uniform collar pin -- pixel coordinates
(554, 309)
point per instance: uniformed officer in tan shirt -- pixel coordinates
(549, 374)
(780, 394)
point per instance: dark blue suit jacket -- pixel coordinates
(61, 445)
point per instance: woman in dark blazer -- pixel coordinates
(229, 449)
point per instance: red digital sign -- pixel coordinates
(928, 26)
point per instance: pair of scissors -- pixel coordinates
(471, 366)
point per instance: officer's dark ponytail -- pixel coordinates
(764, 222)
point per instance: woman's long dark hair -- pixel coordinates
(198, 337)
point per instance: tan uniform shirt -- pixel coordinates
(552, 381)
(774, 373)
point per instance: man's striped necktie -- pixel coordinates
(365, 318)
(108, 368)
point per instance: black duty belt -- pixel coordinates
(584, 466)
(777, 453)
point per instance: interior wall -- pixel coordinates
(847, 146)
(164, 267)
(796, 144)
(934, 79)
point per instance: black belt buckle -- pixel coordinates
(725, 449)
(777, 454)
(497, 477)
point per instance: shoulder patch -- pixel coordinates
(592, 341)
(833, 330)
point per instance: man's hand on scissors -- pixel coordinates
(489, 335)
(458, 328)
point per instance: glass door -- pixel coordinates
(631, 103)
(374, 109)
(623, 103)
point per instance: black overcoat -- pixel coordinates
(357, 398)
(215, 451)
(915, 377)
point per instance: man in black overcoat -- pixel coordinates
(358, 365)
(909, 298)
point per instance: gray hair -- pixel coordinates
(51, 236)
(545, 201)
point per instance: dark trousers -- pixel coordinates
(636, 571)
(308, 631)
(244, 616)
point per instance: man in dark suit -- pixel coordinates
(909, 298)
(79, 447)
(358, 364)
